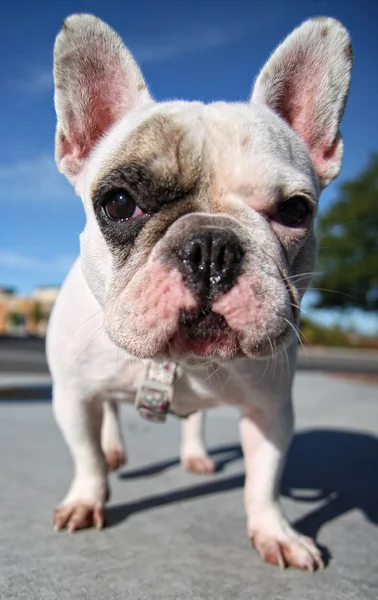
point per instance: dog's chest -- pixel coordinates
(194, 387)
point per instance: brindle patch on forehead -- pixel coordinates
(167, 152)
(162, 166)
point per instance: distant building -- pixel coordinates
(23, 315)
(46, 295)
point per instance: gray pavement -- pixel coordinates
(176, 536)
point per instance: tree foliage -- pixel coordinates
(37, 314)
(348, 245)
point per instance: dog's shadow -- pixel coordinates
(338, 469)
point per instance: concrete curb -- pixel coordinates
(17, 386)
(23, 380)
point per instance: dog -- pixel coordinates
(198, 247)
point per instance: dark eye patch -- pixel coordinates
(149, 192)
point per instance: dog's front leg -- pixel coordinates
(265, 435)
(80, 421)
(194, 457)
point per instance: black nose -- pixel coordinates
(210, 261)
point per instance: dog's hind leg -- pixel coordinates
(194, 457)
(112, 442)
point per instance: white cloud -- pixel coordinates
(186, 43)
(33, 180)
(37, 80)
(40, 81)
(18, 261)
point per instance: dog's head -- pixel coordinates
(199, 237)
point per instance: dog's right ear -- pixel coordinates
(97, 82)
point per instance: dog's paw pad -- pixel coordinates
(296, 551)
(115, 459)
(78, 515)
(198, 464)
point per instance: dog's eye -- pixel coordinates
(293, 212)
(120, 206)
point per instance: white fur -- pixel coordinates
(89, 370)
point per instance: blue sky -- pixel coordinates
(196, 50)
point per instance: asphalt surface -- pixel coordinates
(176, 536)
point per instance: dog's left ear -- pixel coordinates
(306, 82)
(97, 81)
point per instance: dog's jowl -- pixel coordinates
(198, 246)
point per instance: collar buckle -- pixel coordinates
(155, 393)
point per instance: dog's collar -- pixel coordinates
(155, 393)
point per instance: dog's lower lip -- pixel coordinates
(204, 333)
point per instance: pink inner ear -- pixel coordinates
(97, 95)
(91, 114)
(83, 141)
(299, 104)
(101, 108)
(297, 101)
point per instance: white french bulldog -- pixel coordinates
(197, 249)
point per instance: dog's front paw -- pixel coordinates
(198, 464)
(278, 544)
(83, 506)
(78, 515)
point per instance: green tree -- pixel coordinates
(15, 319)
(348, 245)
(37, 313)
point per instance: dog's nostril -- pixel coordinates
(224, 257)
(219, 257)
(195, 256)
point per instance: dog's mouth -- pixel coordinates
(200, 325)
(204, 333)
